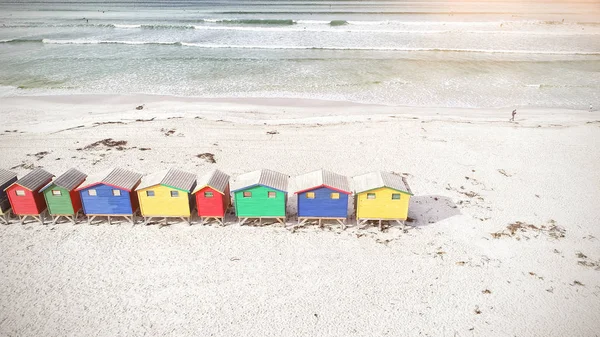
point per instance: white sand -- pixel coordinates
(178, 280)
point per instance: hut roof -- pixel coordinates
(68, 180)
(272, 179)
(374, 180)
(174, 178)
(322, 178)
(215, 179)
(6, 176)
(116, 177)
(34, 179)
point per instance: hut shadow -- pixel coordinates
(292, 205)
(429, 209)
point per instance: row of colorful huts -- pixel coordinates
(321, 195)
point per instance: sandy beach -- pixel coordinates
(505, 237)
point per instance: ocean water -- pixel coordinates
(409, 53)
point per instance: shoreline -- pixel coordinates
(133, 98)
(57, 112)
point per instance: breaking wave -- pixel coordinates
(283, 47)
(190, 24)
(51, 41)
(253, 21)
(228, 46)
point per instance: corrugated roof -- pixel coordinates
(35, 179)
(118, 177)
(180, 179)
(70, 179)
(123, 178)
(322, 177)
(215, 179)
(6, 176)
(272, 179)
(152, 179)
(94, 179)
(373, 180)
(173, 178)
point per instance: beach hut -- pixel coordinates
(110, 194)
(7, 178)
(322, 195)
(381, 196)
(212, 196)
(25, 197)
(261, 195)
(166, 194)
(61, 197)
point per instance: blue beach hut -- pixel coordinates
(322, 195)
(110, 194)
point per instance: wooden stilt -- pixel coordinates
(72, 218)
(204, 220)
(165, 219)
(365, 222)
(5, 218)
(128, 217)
(320, 221)
(342, 222)
(260, 220)
(38, 217)
(402, 224)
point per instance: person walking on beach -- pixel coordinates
(512, 119)
(591, 107)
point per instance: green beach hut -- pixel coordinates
(261, 195)
(61, 197)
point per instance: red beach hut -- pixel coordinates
(212, 196)
(25, 197)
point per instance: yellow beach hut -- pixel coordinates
(381, 196)
(166, 194)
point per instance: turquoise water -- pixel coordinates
(450, 54)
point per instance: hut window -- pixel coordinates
(370, 195)
(247, 194)
(92, 193)
(272, 195)
(208, 194)
(117, 193)
(149, 193)
(335, 195)
(20, 193)
(310, 195)
(395, 196)
(174, 194)
(56, 193)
